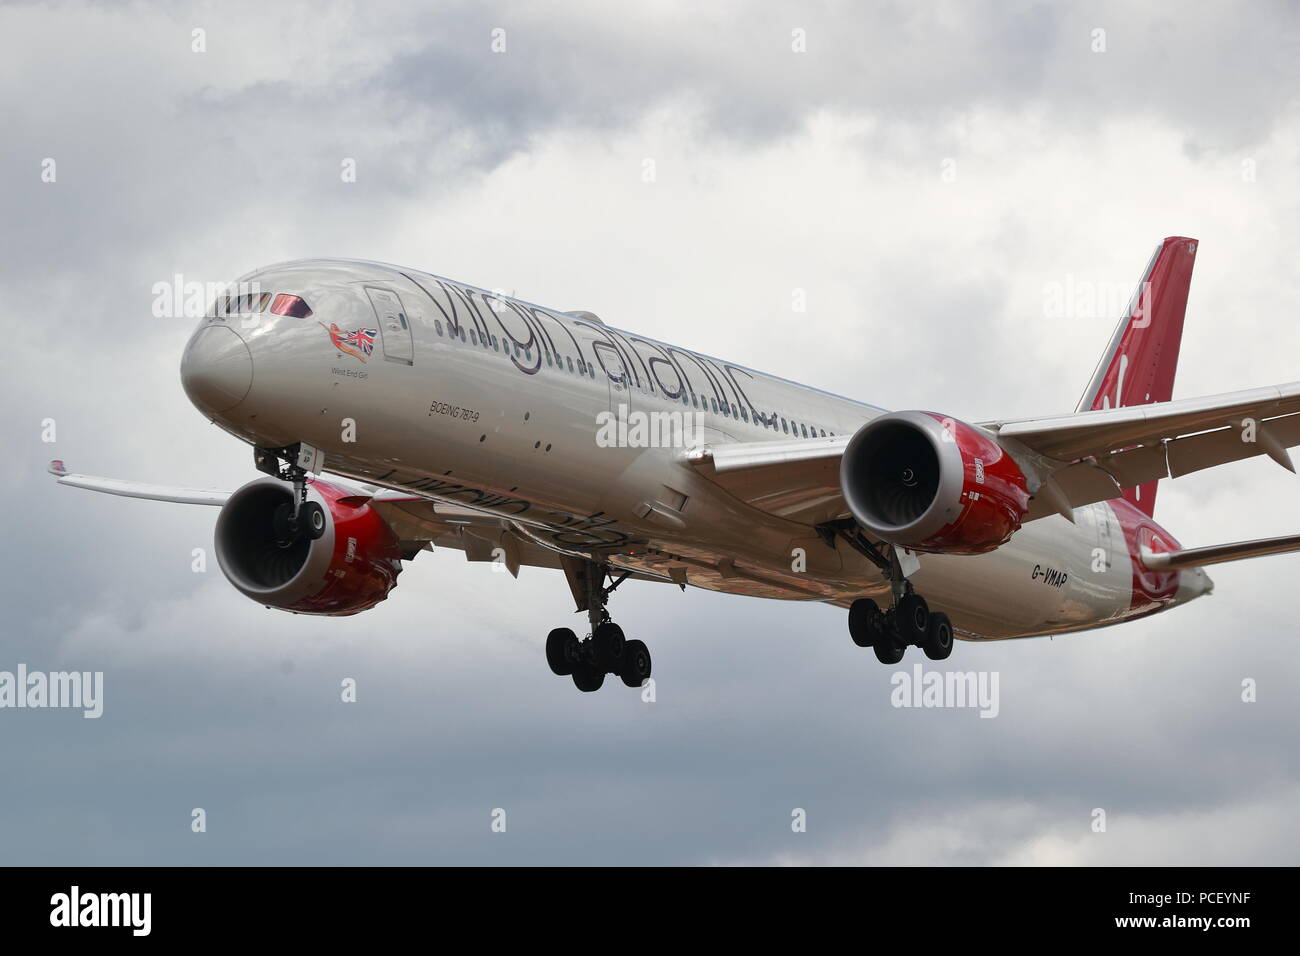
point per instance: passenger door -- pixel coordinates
(394, 325)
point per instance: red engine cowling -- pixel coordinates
(931, 483)
(351, 567)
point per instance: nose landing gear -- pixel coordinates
(299, 520)
(606, 650)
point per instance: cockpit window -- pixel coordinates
(248, 304)
(290, 305)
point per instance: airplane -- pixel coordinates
(455, 417)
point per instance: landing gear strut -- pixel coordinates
(908, 622)
(605, 650)
(299, 520)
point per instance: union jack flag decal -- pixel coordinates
(358, 342)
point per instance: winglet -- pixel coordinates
(57, 468)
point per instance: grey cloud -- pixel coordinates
(209, 167)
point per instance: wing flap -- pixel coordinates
(1082, 483)
(480, 535)
(1234, 443)
(1098, 433)
(796, 479)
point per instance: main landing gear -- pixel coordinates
(909, 622)
(605, 650)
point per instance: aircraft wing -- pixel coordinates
(1092, 455)
(136, 489)
(482, 536)
(420, 523)
(793, 478)
(1086, 456)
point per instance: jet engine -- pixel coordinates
(347, 562)
(930, 483)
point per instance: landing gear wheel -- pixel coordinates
(938, 637)
(311, 519)
(587, 678)
(636, 664)
(888, 649)
(563, 652)
(608, 644)
(307, 525)
(911, 617)
(866, 622)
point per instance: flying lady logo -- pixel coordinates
(358, 343)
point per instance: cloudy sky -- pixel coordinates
(926, 173)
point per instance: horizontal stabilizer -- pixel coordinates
(1219, 553)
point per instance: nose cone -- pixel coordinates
(216, 370)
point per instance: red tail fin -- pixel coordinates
(1138, 366)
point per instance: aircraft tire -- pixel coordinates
(911, 617)
(562, 651)
(588, 678)
(888, 649)
(938, 638)
(866, 622)
(608, 643)
(636, 664)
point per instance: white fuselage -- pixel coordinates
(499, 405)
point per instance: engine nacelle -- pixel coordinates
(930, 483)
(351, 567)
